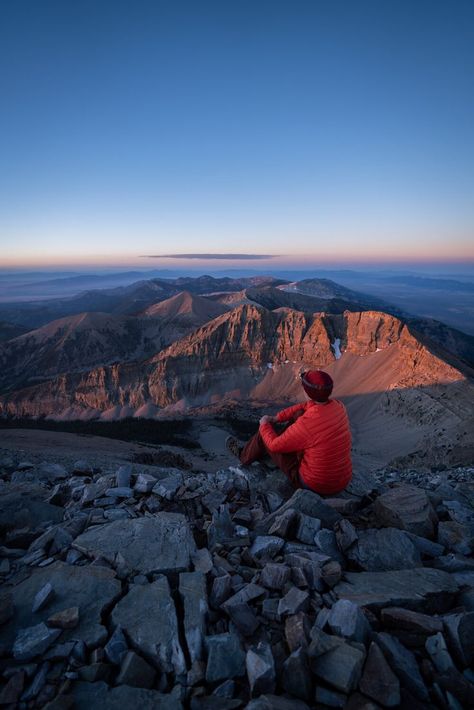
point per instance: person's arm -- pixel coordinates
(286, 414)
(293, 439)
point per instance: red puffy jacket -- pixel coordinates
(322, 438)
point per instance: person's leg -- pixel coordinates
(288, 463)
(254, 450)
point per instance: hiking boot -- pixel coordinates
(233, 446)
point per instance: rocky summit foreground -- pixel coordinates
(154, 588)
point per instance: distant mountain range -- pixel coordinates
(157, 348)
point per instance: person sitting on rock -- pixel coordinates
(314, 450)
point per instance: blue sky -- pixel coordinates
(318, 131)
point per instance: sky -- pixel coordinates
(310, 132)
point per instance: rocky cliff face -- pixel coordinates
(234, 354)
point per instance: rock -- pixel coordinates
(274, 576)
(260, 669)
(23, 507)
(459, 630)
(144, 483)
(296, 676)
(330, 698)
(163, 543)
(99, 695)
(43, 597)
(266, 546)
(307, 528)
(426, 548)
(51, 471)
(294, 601)
(82, 468)
(91, 589)
(116, 647)
(6, 608)
(331, 573)
(308, 503)
(378, 680)
(418, 589)
(403, 663)
(407, 508)
(37, 683)
(123, 492)
(135, 671)
(283, 524)
(67, 619)
(193, 592)
(340, 667)
(95, 672)
(221, 590)
(33, 641)
(222, 529)
(297, 631)
(406, 620)
(439, 654)
(246, 594)
(123, 476)
(456, 537)
(167, 487)
(346, 534)
(202, 560)
(12, 691)
(244, 618)
(325, 541)
(384, 549)
(225, 657)
(346, 619)
(148, 617)
(344, 506)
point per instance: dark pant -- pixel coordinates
(255, 450)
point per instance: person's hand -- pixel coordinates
(266, 419)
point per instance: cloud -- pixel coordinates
(223, 257)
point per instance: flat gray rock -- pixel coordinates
(148, 617)
(341, 667)
(384, 549)
(91, 589)
(403, 663)
(420, 589)
(163, 543)
(193, 592)
(225, 657)
(23, 507)
(407, 508)
(99, 695)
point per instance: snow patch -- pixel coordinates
(336, 346)
(270, 365)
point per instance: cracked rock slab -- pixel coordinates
(91, 589)
(420, 589)
(160, 544)
(147, 615)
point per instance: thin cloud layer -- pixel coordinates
(246, 257)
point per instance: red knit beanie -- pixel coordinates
(317, 384)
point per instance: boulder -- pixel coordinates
(456, 537)
(347, 620)
(384, 549)
(403, 663)
(340, 667)
(135, 671)
(266, 546)
(225, 657)
(260, 669)
(378, 680)
(33, 641)
(296, 676)
(422, 589)
(162, 543)
(407, 508)
(92, 589)
(148, 617)
(459, 631)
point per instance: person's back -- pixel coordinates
(325, 445)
